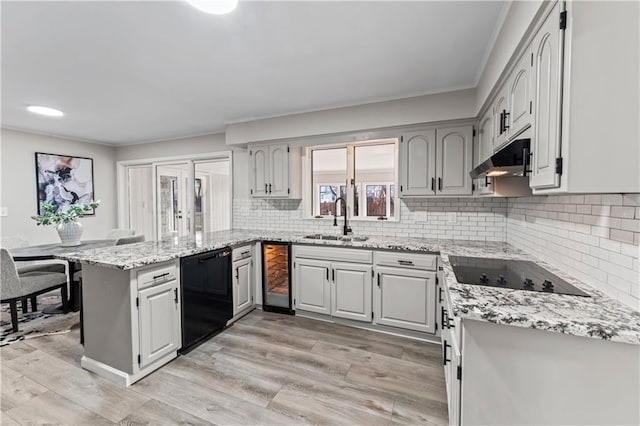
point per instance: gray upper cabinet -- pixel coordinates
(483, 149)
(436, 162)
(520, 102)
(547, 49)
(453, 160)
(418, 163)
(275, 171)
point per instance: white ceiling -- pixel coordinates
(128, 72)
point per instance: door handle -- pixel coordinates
(175, 296)
(433, 184)
(238, 275)
(333, 275)
(266, 188)
(327, 270)
(269, 188)
(440, 295)
(444, 353)
(378, 279)
(439, 184)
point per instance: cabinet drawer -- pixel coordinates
(241, 252)
(157, 275)
(334, 253)
(426, 262)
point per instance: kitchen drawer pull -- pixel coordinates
(405, 262)
(245, 252)
(444, 353)
(155, 277)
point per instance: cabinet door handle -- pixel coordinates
(175, 295)
(506, 114)
(269, 188)
(526, 155)
(266, 188)
(238, 275)
(440, 295)
(439, 184)
(327, 270)
(444, 353)
(433, 184)
(333, 275)
(442, 317)
(378, 279)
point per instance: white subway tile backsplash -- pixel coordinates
(601, 242)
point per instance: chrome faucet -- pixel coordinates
(345, 229)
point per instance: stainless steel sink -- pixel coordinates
(336, 237)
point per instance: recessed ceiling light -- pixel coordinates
(43, 110)
(215, 7)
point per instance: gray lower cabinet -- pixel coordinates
(351, 291)
(312, 286)
(159, 322)
(405, 298)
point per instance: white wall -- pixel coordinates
(194, 145)
(421, 109)
(516, 23)
(595, 238)
(17, 158)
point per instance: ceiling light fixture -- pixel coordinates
(215, 7)
(43, 110)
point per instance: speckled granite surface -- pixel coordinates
(598, 317)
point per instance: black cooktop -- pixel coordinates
(514, 274)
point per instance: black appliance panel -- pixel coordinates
(207, 299)
(513, 274)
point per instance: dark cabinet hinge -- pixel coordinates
(473, 187)
(372, 315)
(250, 153)
(400, 188)
(401, 139)
(139, 359)
(373, 274)
(251, 190)
(437, 280)
(474, 132)
(287, 149)
(436, 326)
(294, 302)
(459, 373)
(288, 190)
(559, 165)
(563, 20)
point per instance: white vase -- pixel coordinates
(70, 233)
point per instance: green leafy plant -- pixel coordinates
(51, 217)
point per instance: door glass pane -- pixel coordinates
(329, 170)
(276, 269)
(140, 193)
(173, 217)
(375, 169)
(212, 196)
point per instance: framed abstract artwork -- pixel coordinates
(63, 180)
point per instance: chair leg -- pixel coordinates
(25, 306)
(34, 303)
(14, 315)
(65, 300)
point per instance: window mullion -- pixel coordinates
(351, 177)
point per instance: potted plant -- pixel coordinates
(68, 227)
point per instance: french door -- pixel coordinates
(176, 198)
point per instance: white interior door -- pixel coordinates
(174, 214)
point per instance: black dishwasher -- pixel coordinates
(207, 300)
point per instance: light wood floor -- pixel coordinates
(265, 369)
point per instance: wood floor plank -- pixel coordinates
(208, 373)
(17, 389)
(62, 346)
(430, 412)
(266, 350)
(274, 336)
(365, 398)
(206, 403)
(322, 411)
(15, 350)
(322, 333)
(51, 408)
(86, 389)
(156, 413)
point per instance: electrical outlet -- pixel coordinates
(452, 217)
(4, 211)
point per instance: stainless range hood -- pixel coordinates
(509, 161)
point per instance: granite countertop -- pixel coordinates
(598, 316)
